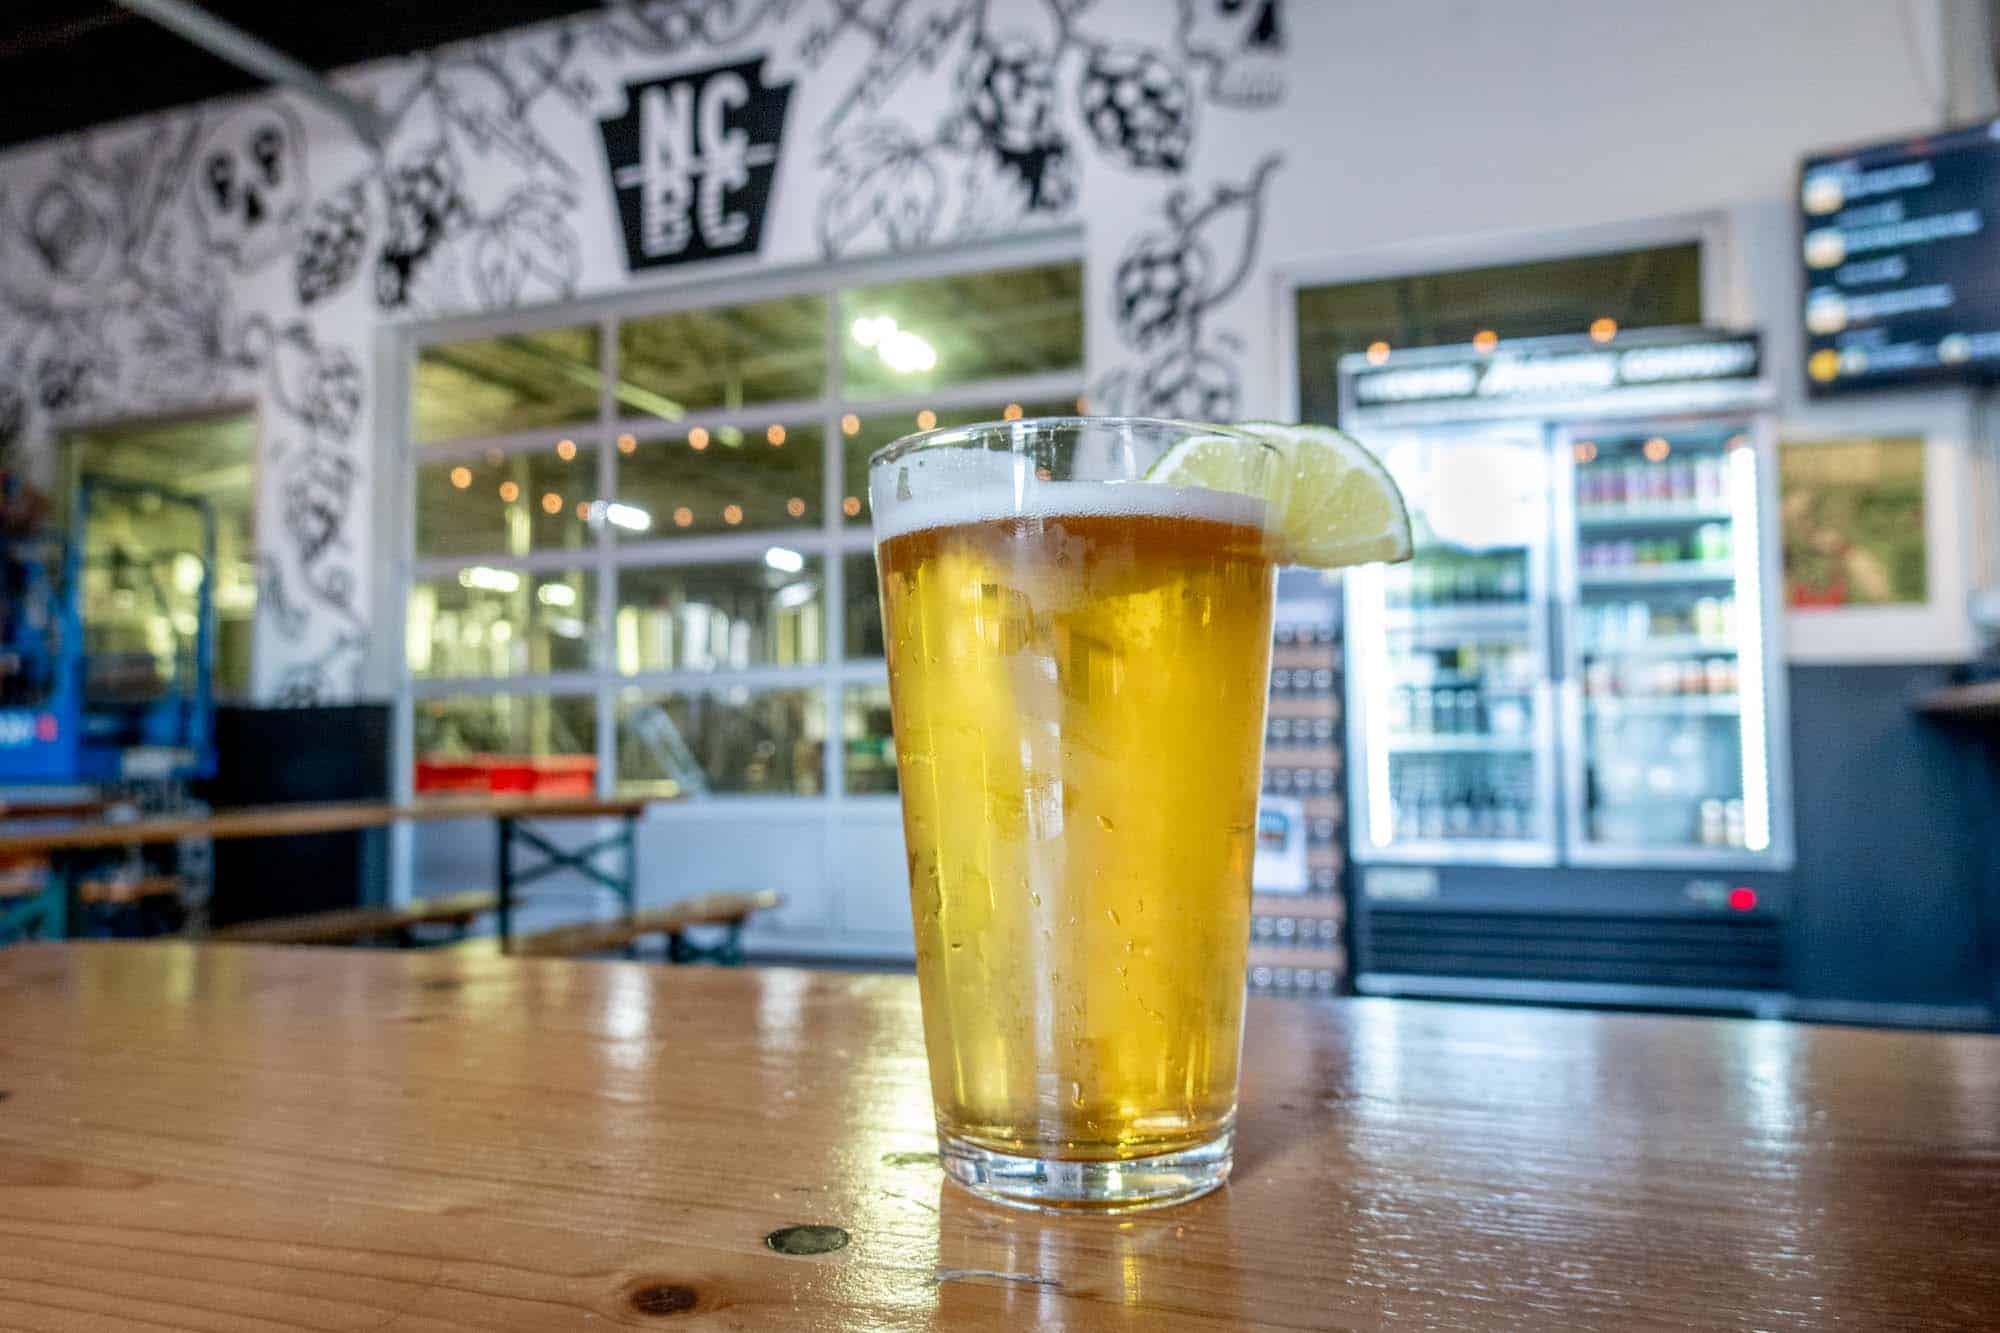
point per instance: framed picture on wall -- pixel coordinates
(1874, 505)
(1852, 516)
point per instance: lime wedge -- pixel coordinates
(1341, 507)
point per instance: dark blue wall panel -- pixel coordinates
(1893, 895)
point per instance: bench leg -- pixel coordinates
(728, 952)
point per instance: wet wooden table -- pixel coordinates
(240, 1138)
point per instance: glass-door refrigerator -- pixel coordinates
(1456, 740)
(1566, 714)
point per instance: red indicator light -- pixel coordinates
(45, 728)
(1742, 899)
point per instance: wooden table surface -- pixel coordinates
(262, 821)
(243, 1138)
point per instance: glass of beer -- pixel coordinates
(1078, 658)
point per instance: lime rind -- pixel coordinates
(1338, 505)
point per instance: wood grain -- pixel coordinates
(280, 820)
(251, 1139)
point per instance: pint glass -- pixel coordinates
(1078, 657)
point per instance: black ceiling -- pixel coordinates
(69, 64)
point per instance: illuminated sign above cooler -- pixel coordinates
(1645, 370)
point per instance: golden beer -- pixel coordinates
(1078, 693)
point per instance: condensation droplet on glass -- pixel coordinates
(1075, 1093)
(1104, 822)
(1035, 898)
(957, 944)
(1139, 906)
(1128, 946)
(1111, 915)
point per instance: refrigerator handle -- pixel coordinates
(1558, 646)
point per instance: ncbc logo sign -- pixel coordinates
(692, 161)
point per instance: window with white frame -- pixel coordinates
(641, 552)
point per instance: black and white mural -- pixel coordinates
(250, 249)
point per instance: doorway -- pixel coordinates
(214, 457)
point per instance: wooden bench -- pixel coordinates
(351, 925)
(128, 890)
(727, 910)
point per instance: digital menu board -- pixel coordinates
(1902, 262)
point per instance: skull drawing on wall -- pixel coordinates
(1241, 43)
(250, 185)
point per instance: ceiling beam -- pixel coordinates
(258, 57)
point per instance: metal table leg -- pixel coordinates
(553, 859)
(62, 915)
(505, 824)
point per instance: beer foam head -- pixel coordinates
(982, 500)
(939, 488)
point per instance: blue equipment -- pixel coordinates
(80, 702)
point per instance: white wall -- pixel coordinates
(1389, 123)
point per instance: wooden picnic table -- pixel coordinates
(247, 1138)
(65, 840)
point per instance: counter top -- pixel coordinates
(249, 1138)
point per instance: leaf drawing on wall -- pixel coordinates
(885, 188)
(274, 603)
(182, 337)
(528, 244)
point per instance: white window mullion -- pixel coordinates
(604, 624)
(833, 578)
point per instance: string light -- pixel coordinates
(851, 506)
(850, 425)
(796, 507)
(1083, 407)
(509, 492)
(697, 439)
(1012, 412)
(626, 444)
(552, 504)
(461, 477)
(583, 510)
(1603, 329)
(776, 435)
(926, 420)
(732, 514)
(683, 516)
(1378, 352)
(565, 449)
(1586, 451)
(1656, 449)
(1485, 340)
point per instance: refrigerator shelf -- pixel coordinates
(1667, 705)
(1679, 571)
(1649, 518)
(1475, 616)
(1422, 743)
(1665, 645)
